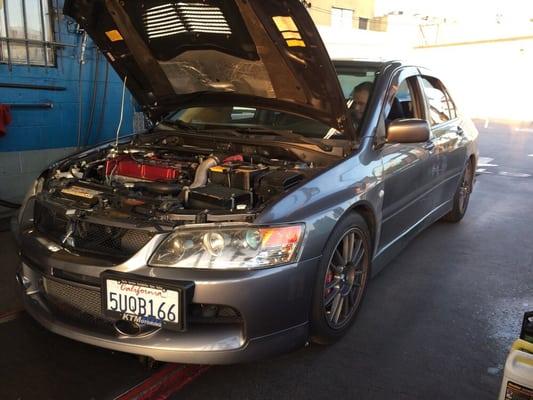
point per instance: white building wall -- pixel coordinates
(362, 44)
(490, 79)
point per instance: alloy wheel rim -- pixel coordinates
(345, 279)
(465, 189)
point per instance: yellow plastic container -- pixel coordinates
(517, 381)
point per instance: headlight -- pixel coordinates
(35, 188)
(243, 247)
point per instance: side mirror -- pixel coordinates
(408, 131)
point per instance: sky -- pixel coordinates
(459, 8)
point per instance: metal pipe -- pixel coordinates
(6, 20)
(93, 100)
(83, 46)
(31, 105)
(36, 41)
(103, 108)
(200, 178)
(45, 54)
(31, 86)
(25, 23)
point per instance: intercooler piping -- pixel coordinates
(200, 178)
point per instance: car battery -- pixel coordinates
(517, 383)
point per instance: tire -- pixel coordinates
(461, 197)
(338, 283)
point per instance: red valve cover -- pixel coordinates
(133, 169)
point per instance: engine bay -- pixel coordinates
(169, 181)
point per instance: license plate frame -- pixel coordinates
(185, 290)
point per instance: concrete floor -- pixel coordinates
(436, 324)
(36, 364)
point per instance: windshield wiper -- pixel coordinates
(236, 131)
(201, 129)
(287, 135)
(180, 124)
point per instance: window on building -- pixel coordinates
(363, 23)
(341, 18)
(25, 32)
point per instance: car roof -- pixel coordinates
(361, 62)
(382, 65)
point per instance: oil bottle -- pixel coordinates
(517, 381)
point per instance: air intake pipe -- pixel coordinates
(200, 178)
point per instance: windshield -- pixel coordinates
(356, 83)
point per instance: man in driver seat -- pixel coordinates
(360, 95)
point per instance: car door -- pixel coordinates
(407, 166)
(449, 154)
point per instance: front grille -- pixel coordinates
(78, 304)
(113, 242)
(83, 299)
(84, 305)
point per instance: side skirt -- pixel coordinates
(387, 253)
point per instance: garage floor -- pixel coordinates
(436, 324)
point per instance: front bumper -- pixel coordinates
(273, 305)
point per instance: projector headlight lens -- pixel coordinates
(214, 243)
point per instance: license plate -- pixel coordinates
(146, 302)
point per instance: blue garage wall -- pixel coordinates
(39, 135)
(38, 128)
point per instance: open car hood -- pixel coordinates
(178, 53)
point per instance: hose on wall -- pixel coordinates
(83, 46)
(103, 108)
(87, 135)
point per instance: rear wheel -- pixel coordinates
(341, 280)
(462, 195)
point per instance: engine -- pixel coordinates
(162, 183)
(127, 168)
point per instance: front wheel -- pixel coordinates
(461, 197)
(341, 280)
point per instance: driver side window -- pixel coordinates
(402, 106)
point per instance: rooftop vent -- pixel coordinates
(178, 17)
